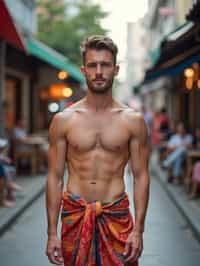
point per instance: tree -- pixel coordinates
(64, 24)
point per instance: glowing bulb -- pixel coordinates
(189, 72)
(67, 92)
(62, 75)
(53, 107)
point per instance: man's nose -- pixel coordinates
(99, 69)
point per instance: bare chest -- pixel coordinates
(98, 132)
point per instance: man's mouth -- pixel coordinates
(99, 80)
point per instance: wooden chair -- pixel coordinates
(29, 155)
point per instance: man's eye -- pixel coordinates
(92, 65)
(105, 64)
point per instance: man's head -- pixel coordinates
(99, 63)
(98, 42)
(181, 130)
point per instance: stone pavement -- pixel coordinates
(33, 187)
(189, 208)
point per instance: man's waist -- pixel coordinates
(97, 189)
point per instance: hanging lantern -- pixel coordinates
(189, 83)
(189, 73)
(62, 75)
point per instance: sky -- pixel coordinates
(121, 12)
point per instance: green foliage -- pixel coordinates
(64, 24)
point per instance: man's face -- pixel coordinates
(99, 70)
(181, 130)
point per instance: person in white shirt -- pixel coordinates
(177, 145)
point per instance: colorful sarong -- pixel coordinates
(94, 233)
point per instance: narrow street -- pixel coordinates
(168, 240)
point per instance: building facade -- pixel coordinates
(176, 55)
(29, 69)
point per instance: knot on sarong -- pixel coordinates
(98, 208)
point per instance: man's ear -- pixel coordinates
(116, 70)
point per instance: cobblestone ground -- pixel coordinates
(167, 241)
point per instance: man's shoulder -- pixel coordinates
(133, 116)
(68, 112)
(135, 121)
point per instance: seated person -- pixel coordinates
(195, 146)
(177, 147)
(4, 202)
(22, 143)
(164, 138)
(8, 172)
(195, 180)
(196, 141)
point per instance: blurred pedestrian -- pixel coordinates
(4, 202)
(192, 160)
(195, 181)
(96, 137)
(8, 172)
(164, 138)
(177, 150)
(163, 120)
(160, 126)
(148, 118)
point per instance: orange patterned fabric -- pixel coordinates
(94, 233)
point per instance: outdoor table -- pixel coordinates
(35, 142)
(192, 154)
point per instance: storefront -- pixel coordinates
(28, 69)
(178, 62)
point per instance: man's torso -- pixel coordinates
(97, 151)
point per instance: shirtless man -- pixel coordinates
(96, 137)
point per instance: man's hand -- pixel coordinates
(134, 247)
(53, 250)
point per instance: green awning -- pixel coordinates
(172, 36)
(154, 55)
(179, 31)
(51, 56)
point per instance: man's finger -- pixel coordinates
(135, 255)
(127, 249)
(132, 255)
(53, 258)
(59, 252)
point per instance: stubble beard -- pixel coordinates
(100, 89)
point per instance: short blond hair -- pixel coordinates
(99, 42)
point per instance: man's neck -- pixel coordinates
(99, 102)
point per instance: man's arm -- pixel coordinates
(54, 185)
(139, 157)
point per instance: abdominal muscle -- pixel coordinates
(100, 190)
(99, 180)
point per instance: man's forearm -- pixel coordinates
(141, 198)
(54, 189)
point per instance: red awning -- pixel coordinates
(8, 29)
